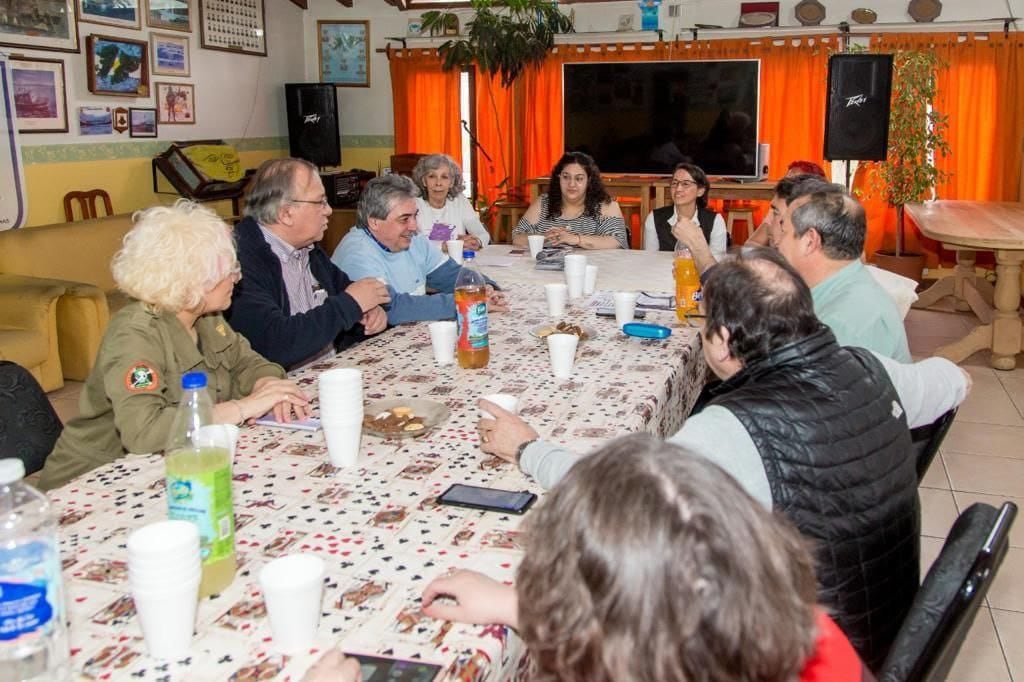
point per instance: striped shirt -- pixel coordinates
(304, 292)
(601, 226)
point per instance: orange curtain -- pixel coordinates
(981, 94)
(497, 113)
(426, 104)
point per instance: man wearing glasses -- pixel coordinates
(292, 304)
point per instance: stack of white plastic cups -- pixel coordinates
(341, 414)
(164, 571)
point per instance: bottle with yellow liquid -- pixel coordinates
(199, 485)
(472, 346)
(688, 292)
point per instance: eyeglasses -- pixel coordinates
(686, 184)
(322, 202)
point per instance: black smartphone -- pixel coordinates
(610, 312)
(489, 499)
(379, 669)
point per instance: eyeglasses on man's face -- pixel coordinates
(323, 203)
(685, 184)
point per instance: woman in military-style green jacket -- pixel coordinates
(179, 263)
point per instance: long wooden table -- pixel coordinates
(967, 227)
(377, 525)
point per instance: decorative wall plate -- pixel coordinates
(757, 19)
(863, 15)
(924, 10)
(810, 12)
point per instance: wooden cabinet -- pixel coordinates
(338, 225)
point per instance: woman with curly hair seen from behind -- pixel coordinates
(179, 264)
(445, 213)
(576, 210)
(649, 563)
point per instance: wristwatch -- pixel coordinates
(522, 448)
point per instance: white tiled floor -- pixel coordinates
(981, 461)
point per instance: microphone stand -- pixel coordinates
(475, 142)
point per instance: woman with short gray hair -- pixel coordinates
(445, 213)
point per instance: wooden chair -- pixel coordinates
(86, 204)
(402, 164)
(508, 212)
(739, 213)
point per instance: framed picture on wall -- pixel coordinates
(173, 15)
(175, 103)
(40, 102)
(233, 25)
(123, 13)
(169, 54)
(40, 25)
(117, 66)
(142, 122)
(344, 48)
(95, 121)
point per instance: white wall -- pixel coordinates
(237, 96)
(368, 111)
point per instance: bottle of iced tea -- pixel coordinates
(687, 282)
(472, 346)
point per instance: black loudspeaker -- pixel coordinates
(857, 111)
(313, 123)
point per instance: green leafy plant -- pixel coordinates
(503, 37)
(917, 134)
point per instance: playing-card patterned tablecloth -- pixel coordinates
(377, 525)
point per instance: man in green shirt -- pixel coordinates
(821, 233)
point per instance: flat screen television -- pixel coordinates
(645, 117)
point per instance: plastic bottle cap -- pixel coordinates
(11, 470)
(192, 380)
(468, 255)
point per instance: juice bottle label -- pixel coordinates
(472, 319)
(202, 495)
(30, 593)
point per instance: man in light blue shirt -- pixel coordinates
(386, 244)
(821, 234)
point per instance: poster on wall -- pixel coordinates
(12, 177)
(344, 52)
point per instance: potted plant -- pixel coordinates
(917, 133)
(503, 36)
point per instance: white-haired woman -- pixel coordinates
(444, 211)
(179, 264)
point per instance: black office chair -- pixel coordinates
(949, 597)
(927, 439)
(29, 427)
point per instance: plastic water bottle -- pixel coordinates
(687, 278)
(472, 347)
(199, 485)
(33, 629)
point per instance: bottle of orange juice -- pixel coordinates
(687, 282)
(473, 347)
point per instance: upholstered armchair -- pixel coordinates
(28, 327)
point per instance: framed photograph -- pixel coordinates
(117, 66)
(344, 48)
(95, 121)
(169, 54)
(40, 102)
(173, 15)
(141, 122)
(40, 25)
(175, 103)
(123, 13)
(233, 25)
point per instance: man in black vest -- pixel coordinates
(817, 431)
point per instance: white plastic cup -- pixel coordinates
(536, 242)
(556, 295)
(625, 307)
(562, 348)
(340, 393)
(505, 401)
(575, 274)
(293, 588)
(343, 440)
(442, 338)
(455, 250)
(217, 436)
(163, 539)
(589, 280)
(167, 617)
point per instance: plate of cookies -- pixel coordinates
(403, 417)
(542, 331)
